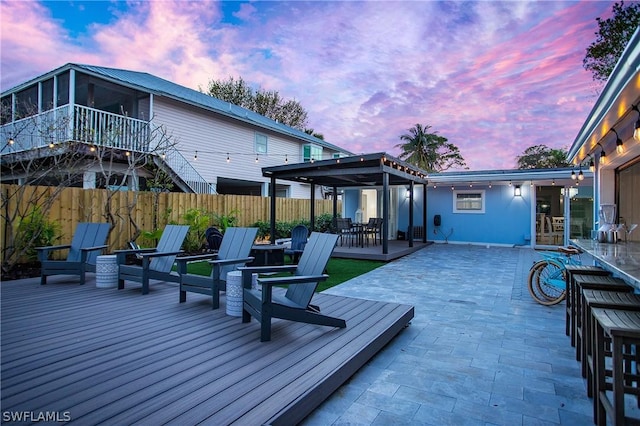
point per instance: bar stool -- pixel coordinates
(591, 282)
(571, 271)
(600, 299)
(623, 330)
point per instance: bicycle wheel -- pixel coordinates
(549, 281)
(532, 282)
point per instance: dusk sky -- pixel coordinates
(492, 77)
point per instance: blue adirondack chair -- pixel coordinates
(295, 305)
(233, 252)
(89, 240)
(299, 236)
(156, 262)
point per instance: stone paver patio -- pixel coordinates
(479, 351)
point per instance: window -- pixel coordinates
(261, 144)
(468, 201)
(311, 153)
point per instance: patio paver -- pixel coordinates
(479, 350)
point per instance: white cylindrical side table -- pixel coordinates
(234, 292)
(107, 271)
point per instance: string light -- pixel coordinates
(11, 141)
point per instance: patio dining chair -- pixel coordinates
(233, 252)
(295, 305)
(156, 262)
(89, 240)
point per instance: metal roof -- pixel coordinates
(160, 87)
(559, 176)
(354, 171)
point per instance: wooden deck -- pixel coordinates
(116, 357)
(396, 250)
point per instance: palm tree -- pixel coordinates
(429, 151)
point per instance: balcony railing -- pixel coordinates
(97, 128)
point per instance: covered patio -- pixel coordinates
(358, 171)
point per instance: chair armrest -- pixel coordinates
(298, 279)
(161, 254)
(196, 257)
(134, 251)
(122, 254)
(231, 261)
(50, 248)
(94, 248)
(266, 269)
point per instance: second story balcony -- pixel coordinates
(45, 134)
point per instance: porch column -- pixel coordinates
(410, 230)
(385, 213)
(312, 219)
(335, 205)
(89, 180)
(424, 212)
(273, 210)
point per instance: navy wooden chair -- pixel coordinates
(299, 237)
(233, 252)
(89, 240)
(156, 262)
(295, 304)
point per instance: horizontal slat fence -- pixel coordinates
(68, 206)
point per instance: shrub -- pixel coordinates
(34, 230)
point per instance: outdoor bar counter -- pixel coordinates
(622, 259)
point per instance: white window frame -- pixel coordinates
(457, 208)
(258, 144)
(312, 148)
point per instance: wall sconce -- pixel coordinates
(195, 156)
(517, 191)
(636, 131)
(408, 193)
(619, 145)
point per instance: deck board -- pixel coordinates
(114, 356)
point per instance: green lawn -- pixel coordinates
(339, 270)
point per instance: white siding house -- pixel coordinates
(203, 143)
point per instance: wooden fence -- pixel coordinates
(147, 210)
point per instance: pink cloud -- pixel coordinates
(492, 77)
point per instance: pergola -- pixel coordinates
(367, 170)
